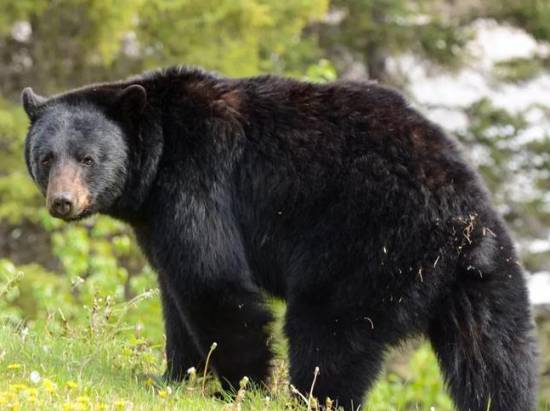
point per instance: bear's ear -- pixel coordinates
(132, 100)
(31, 101)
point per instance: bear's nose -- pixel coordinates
(62, 205)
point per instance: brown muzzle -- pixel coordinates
(68, 195)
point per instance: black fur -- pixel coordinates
(339, 198)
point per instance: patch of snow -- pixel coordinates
(448, 89)
(539, 246)
(480, 155)
(452, 119)
(496, 42)
(492, 43)
(539, 288)
(519, 97)
(533, 133)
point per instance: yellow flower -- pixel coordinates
(165, 393)
(120, 404)
(72, 385)
(149, 381)
(49, 385)
(14, 366)
(14, 406)
(17, 387)
(83, 398)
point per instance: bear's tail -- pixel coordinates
(483, 333)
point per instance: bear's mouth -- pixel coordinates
(73, 216)
(77, 217)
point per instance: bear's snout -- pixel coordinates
(67, 196)
(62, 205)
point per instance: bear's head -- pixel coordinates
(77, 147)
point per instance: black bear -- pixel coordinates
(339, 198)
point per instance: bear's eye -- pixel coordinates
(46, 160)
(87, 161)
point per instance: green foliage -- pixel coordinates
(443, 42)
(395, 392)
(238, 38)
(322, 72)
(531, 15)
(13, 123)
(377, 29)
(9, 292)
(19, 197)
(507, 163)
(518, 69)
(11, 11)
(79, 41)
(494, 129)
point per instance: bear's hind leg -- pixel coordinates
(482, 336)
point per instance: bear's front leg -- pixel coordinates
(347, 356)
(182, 351)
(198, 246)
(232, 315)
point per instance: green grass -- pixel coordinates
(101, 370)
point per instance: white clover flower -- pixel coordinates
(35, 377)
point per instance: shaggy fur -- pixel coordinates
(339, 198)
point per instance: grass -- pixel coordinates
(97, 373)
(83, 370)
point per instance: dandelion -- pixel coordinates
(14, 406)
(240, 394)
(14, 366)
(32, 392)
(72, 385)
(212, 348)
(17, 387)
(165, 393)
(192, 374)
(35, 377)
(49, 385)
(120, 405)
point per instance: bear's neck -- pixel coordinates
(204, 130)
(146, 151)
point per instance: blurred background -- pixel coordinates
(479, 69)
